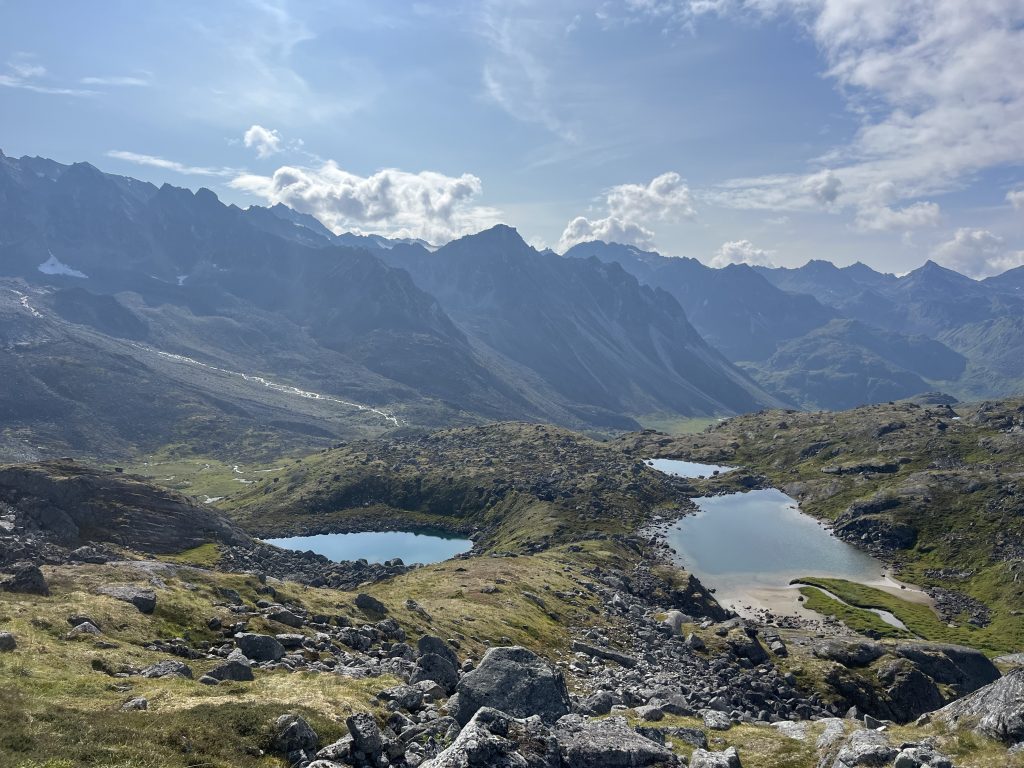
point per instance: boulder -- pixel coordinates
(168, 668)
(674, 620)
(865, 748)
(513, 680)
(849, 654)
(143, 599)
(286, 617)
(964, 669)
(996, 711)
(259, 647)
(715, 720)
(138, 704)
(921, 757)
(408, 697)
(430, 666)
(232, 669)
(496, 740)
(607, 743)
(7, 641)
(438, 647)
(599, 703)
(622, 659)
(294, 738)
(367, 741)
(25, 578)
(728, 758)
(369, 604)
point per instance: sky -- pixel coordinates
(760, 131)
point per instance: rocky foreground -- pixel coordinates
(127, 610)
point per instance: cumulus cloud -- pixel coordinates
(1015, 197)
(265, 141)
(823, 187)
(390, 202)
(630, 209)
(977, 253)
(170, 165)
(741, 252)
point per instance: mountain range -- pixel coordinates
(137, 317)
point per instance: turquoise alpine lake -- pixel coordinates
(748, 547)
(681, 468)
(378, 546)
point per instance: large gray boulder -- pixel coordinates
(294, 738)
(865, 748)
(143, 599)
(729, 758)
(607, 743)
(168, 668)
(438, 647)
(996, 711)
(515, 681)
(7, 641)
(438, 669)
(27, 579)
(495, 740)
(259, 647)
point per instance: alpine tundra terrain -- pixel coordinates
(141, 627)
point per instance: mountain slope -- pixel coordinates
(587, 328)
(735, 309)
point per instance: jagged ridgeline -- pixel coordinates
(186, 308)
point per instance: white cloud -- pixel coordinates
(27, 69)
(391, 202)
(631, 208)
(742, 252)
(938, 88)
(24, 73)
(1015, 197)
(883, 218)
(119, 80)
(265, 141)
(977, 253)
(170, 165)
(823, 187)
(608, 229)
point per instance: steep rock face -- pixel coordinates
(587, 328)
(997, 710)
(72, 504)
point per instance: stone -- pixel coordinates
(996, 710)
(232, 669)
(294, 738)
(25, 578)
(138, 704)
(438, 647)
(715, 720)
(493, 739)
(650, 713)
(430, 666)
(369, 604)
(259, 647)
(168, 668)
(366, 735)
(8, 642)
(865, 748)
(695, 643)
(921, 757)
(599, 703)
(607, 743)
(286, 617)
(408, 697)
(83, 629)
(608, 654)
(143, 599)
(290, 641)
(674, 620)
(728, 758)
(515, 681)
(849, 654)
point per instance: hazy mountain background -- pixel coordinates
(136, 317)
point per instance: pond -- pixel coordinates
(378, 546)
(681, 468)
(749, 546)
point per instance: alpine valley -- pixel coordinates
(218, 425)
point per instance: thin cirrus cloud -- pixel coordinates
(939, 91)
(427, 205)
(630, 210)
(117, 80)
(155, 161)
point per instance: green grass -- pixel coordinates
(205, 556)
(676, 425)
(920, 619)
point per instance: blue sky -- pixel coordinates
(766, 131)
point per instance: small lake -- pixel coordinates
(378, 546)
(681, 468)
(749, 546)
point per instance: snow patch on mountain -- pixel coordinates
(53, 266)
